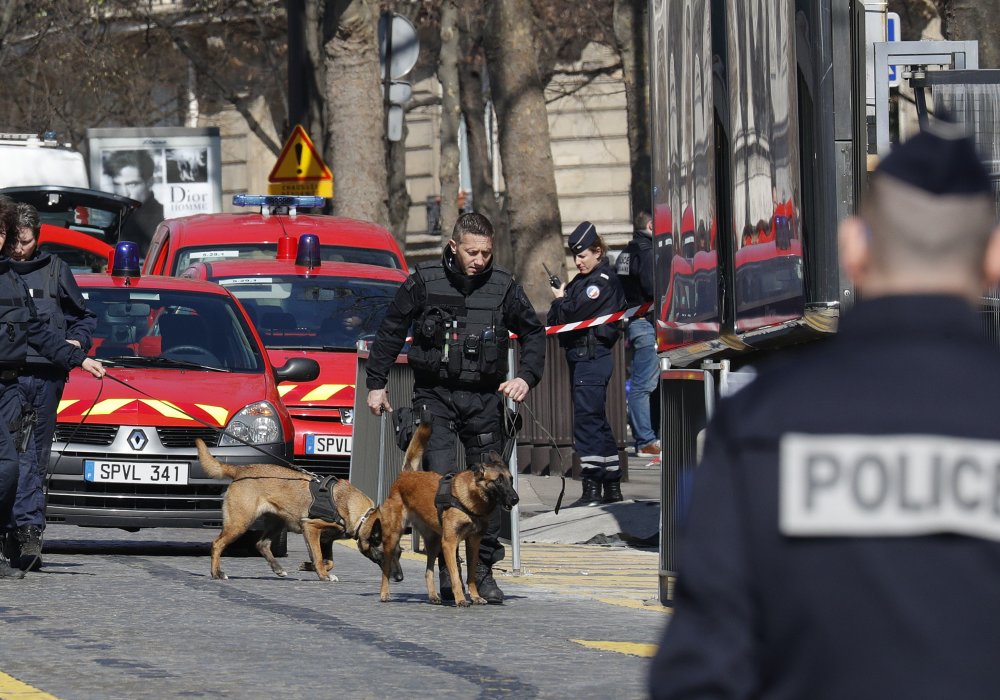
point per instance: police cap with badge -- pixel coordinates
(583, 236)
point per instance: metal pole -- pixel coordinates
(515, 512)
(387, 18)
(381, 457)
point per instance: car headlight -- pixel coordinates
(256, 424)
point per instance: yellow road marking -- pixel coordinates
(13, 689)
(631, 648)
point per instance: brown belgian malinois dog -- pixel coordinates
(474, 494)
(282, 498)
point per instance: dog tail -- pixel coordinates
(415, 450)
(213, 467)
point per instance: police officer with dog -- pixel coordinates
(460, 311)
(595, 291)
(60, 303)
(23, 330)
(843, 536)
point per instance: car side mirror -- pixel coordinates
(297, 369)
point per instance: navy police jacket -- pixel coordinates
(843, 537)
(596, 293)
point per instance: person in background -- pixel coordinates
(595, 291)
(635, 270)
(843, 537)
(461, 309)
(26, 332)
(131, 174)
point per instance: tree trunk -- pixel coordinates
(355, 115)
(518, 96)
(630, 38)
(471, 71)
(316, 117)
(450, 115)
(974, 19)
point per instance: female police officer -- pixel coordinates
(595, 291)
(60, 304)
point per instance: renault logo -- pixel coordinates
(137, 440)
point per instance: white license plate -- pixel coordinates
(328, 444)
(121, 472)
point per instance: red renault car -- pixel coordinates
(307, 307)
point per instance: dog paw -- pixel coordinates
(480, 601)
(220, 575)
(384, 598)
(281, 573)
(463, 604)
(332, 577)
(434, 600)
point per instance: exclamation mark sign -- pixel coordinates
(298, 156)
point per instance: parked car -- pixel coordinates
(179, 243)
(184, 361)
(306, 307)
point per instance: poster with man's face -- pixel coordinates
(171, 171)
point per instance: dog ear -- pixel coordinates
(375, 536)
(493, 456)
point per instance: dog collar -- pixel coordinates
(361, 522)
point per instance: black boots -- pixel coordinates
(487, 586)
(612, 491)
(591, 493)
(6, 570)
(29, 546)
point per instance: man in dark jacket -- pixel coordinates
(635, 270)
(843, 538)
(23, 329)
(461, 310)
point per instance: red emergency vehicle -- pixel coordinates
(183, 361)
(306, 307)
(181, 242)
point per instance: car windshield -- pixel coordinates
(266, 251)
(313, 312)
(172, 329)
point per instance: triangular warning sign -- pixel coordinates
(299, 160)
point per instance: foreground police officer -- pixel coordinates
(60, 303)
(22, 329)
(844, 531)
(461, 309)
(595, 291)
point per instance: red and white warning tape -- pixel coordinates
(600, 320)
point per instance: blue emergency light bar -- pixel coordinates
(278, 200)
(126, 260)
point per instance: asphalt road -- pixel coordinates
(136, 615)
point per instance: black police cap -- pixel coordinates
(583, 236)
(941, 160)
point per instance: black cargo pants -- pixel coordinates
(475, 418)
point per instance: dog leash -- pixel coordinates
(552, 440)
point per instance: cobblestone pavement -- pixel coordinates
(135, 615)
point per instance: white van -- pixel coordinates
(26, 159)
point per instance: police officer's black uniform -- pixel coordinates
(20, 328)
(460, 328)
(59, 302)
(588, 353)
(843, 537)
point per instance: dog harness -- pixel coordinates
(323, 507)
(445, 499)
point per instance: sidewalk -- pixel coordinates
(634, 521)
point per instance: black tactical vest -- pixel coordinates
(42, 277)
(461, 338)
(14, 318)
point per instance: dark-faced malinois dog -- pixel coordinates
(282, 498)
(474, 494)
